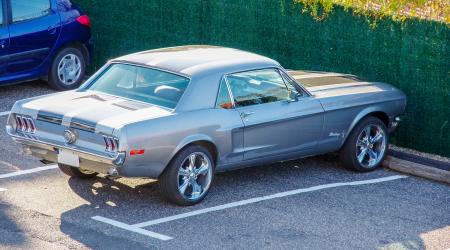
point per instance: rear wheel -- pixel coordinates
(68, 69)
(188, 177)
(77, 172)
(366, 145)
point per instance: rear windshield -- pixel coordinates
(142, 84)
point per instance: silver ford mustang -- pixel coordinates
(181, 114)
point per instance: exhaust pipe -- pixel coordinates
(112, 174)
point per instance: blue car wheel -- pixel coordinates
(68, 69)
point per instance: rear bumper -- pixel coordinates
(101, 163)
(104, 164)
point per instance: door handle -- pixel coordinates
(246, 114)
(52, 29)
(2, 44)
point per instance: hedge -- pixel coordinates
(413, 55)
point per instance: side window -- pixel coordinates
(23, 10)
(223, 97)
(257, 87)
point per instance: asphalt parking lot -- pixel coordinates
(311, 203)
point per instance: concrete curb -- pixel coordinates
(417, 169)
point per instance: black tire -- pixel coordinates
(53, 79)
(348, 153)
(75, 172)
(169, 180)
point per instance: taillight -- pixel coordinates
(111, 144)
(31, 125)
(84, 20)
(19, 124)
(25, 124)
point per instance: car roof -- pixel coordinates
(192, 60)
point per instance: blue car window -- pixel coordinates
(141, 84)
(23, 10)
(257, 87)
(1, 13)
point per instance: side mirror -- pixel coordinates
(293, 96)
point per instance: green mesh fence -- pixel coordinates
(414, 55)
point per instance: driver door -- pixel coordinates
(34, 30)
(4, 39)
(275, 123)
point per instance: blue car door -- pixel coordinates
(34, 29)
(4, 39)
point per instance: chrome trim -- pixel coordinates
(82, 126)
(35, 141)
(49, 118)
(299, 84)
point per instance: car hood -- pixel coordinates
(88, 110)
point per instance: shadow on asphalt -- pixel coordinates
(134, 204)
(10, 225)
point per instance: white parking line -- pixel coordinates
(136, 227)
(4, 113)
(2, 189)
(28, 171)
(264, 198)
(132, 228)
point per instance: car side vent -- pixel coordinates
(111, 144)
(25, 124)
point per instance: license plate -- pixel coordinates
(68, 158)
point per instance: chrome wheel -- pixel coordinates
(194, 176)
(371, 146)
(69, 69)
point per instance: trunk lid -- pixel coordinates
(91, 115)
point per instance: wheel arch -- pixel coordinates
(77, 45)
(202, 140)
(375, 112)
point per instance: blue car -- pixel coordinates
(43, 39)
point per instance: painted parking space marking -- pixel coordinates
(27, 171)
(135, 227)
(132, 228)
(2, 189)
(4, 113)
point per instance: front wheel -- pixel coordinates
(366, 145)
(188, 177)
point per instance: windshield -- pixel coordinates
(142, 84)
